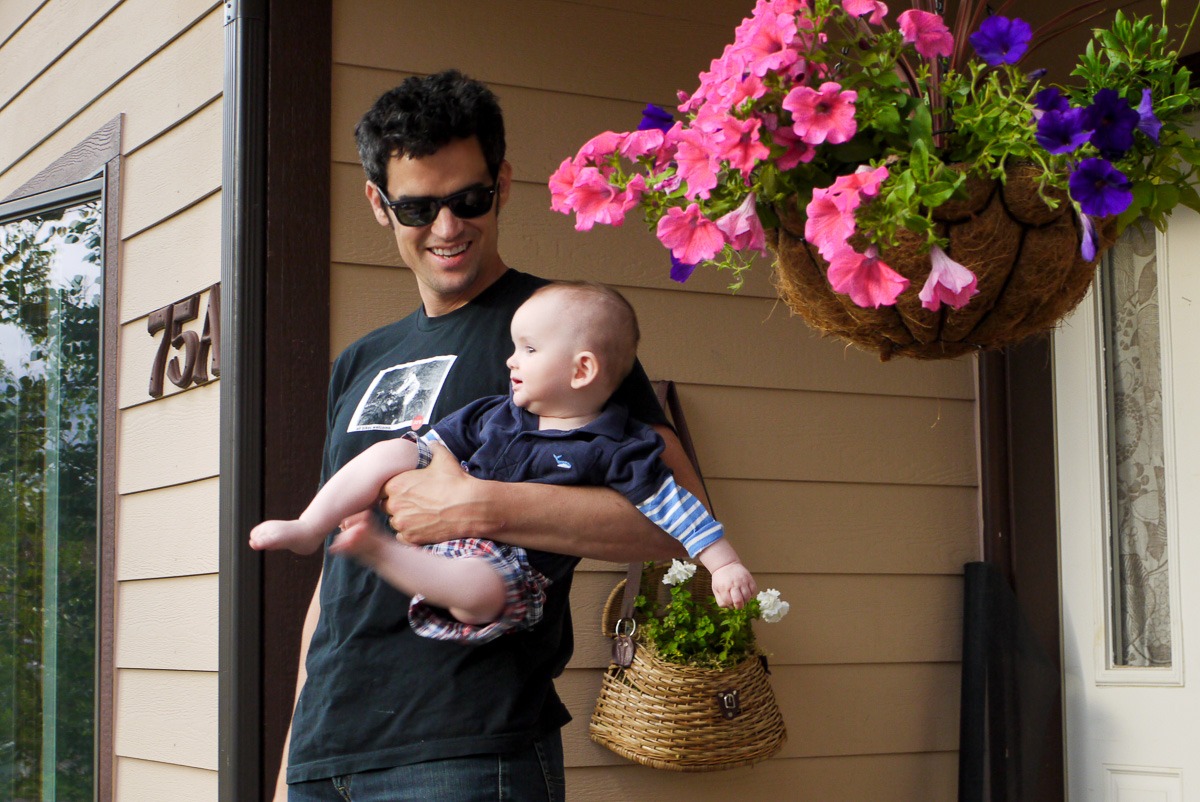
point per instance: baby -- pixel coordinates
(574, 344)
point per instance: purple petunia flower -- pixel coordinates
(1112, 121)
(1148, 124)
(681, 271)
(1001, 40)
(1062, 131)
(1051, 99)
(656, 117)
(1087, 238)
(1099, 188)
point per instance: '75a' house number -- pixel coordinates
(198, 355)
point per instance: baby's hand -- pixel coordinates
(733, 585)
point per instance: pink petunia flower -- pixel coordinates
(641, 143)
(830, 220)
(797, 151)
(948, 283)
(864, 181)
(562, 181)
(598, 148)
(865, 277)
(742, 228)
(739, 144)
(764, 40)
(695, 155)
(861, 8)
(927, 33)
(824, 115)
(597, 201)
(691, 236)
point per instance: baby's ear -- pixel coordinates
(587, 370)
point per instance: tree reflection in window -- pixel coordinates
(50, 294)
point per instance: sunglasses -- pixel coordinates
(469, 203)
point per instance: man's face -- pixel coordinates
(454, 259)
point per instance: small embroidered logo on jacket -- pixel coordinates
(562, 463)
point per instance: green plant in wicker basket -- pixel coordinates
(692, 630)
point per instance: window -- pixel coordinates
(51, 281)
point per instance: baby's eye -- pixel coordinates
(529, 349)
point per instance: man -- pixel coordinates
(384, 714)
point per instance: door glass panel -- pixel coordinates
(1141, 612)
(50, 268)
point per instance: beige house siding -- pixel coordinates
(68, 67)
(848, 484)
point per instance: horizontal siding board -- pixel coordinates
(173, 172)
(828, 710)
(715, 12)
(177, 81)
(14, 14)
(147, 781)
(833, 619)
(168, 623)
(831, 437)
(167, 716)
(546, 34)
(170, 531)
(823, 527)
(138, 347)
(786, 353)
(111, 50)
(927, 777)
(43, 39)
(171, 260)
(169, 442)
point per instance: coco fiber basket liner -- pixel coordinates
(1024, 254)
(668, 716)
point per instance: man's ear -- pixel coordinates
(504, 180)
(587, 370)
(375, 198)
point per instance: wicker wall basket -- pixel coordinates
(1024, 255)
(667, 715)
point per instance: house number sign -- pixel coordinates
(197, 358)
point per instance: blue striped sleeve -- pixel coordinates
(682, 516)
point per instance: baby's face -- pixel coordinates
(543, 359)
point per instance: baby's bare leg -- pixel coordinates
(468, 587)
(353, 488)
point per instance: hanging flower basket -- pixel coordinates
(926, 193)
(1025, 256)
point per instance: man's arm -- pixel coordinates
(310, 625)
(442, 502)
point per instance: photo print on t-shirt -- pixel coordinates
(401, 394)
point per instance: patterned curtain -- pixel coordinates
(1137, 487)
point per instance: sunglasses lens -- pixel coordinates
(471, 203)
(416, 213)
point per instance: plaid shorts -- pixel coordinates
(524, 594)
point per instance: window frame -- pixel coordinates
(89, 170)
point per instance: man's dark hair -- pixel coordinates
(425, 113)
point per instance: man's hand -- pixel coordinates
(437, 503)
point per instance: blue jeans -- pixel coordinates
(534, 774)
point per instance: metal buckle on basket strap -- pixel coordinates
(623, 645)
(729, 703)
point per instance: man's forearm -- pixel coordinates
(582, 521)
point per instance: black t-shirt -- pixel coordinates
(378, 695)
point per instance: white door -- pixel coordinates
(1127, 398)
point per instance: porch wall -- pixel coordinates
(67, 67)
(848, 484)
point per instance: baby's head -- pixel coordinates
(575, 343)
